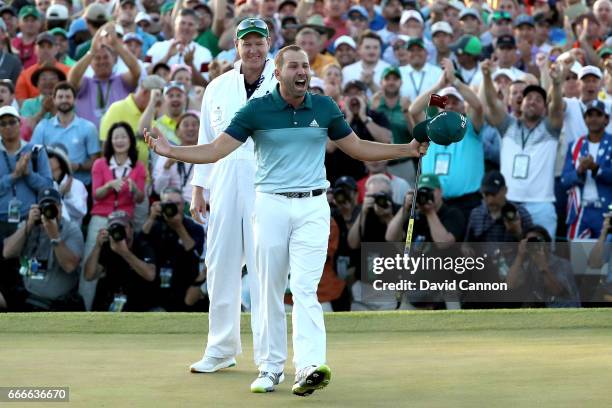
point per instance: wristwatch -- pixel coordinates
(55, 242)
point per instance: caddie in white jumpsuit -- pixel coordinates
(290, 128)
(232, 192)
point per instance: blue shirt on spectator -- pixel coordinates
(80, 138)
(460, 166)
(25, 188)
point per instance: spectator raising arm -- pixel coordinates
(494, 109)
(556, 105)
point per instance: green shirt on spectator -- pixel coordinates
(209, 40)
(399, 126)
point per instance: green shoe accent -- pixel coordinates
(318, 379)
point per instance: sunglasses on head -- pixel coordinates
(252, 22)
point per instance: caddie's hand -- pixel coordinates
(198, 205)
(157, 142)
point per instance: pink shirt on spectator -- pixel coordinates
(101, 174)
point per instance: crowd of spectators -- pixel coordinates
(90, 219)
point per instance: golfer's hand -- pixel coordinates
(417, 149)
(157, 142)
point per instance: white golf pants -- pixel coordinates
(229, 246)
(291, 236)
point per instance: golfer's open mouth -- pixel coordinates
(301, 83)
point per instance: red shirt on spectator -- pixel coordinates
(101, 174)
(25, 52)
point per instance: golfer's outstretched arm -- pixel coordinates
(365, 150)
(200, 154)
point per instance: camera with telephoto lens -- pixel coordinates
(169, 209)
(340, 195)
(49, 210)
(509, 212)
(538, 243)
(382, 199)
(425, 195)
(116, 232)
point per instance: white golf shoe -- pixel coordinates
(265, 382)
(310, 379)
(212, 364)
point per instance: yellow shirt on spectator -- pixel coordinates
(126, 110)
(320, 62)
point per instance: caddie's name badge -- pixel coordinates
(442, 164)
(217, 115)
(520, 168)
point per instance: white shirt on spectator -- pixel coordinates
(74, 201)
(589, 193)
(541, 148)
(353, 72)
(159, 50)
(416, 82)
(171, 177)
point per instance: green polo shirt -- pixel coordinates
(399, 127)
(289, 143)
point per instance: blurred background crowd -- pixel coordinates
(89, 218)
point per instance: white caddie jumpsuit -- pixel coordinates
(230, 243)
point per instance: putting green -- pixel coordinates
(506, 358)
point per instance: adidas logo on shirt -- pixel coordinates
(314, 123)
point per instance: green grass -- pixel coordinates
(505, 358)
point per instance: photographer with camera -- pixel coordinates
(541, 275)
(497, 219)
(370, 226)
(49, 251)
(125, 267)
(178, 242)
(434, 221)
(600, 255)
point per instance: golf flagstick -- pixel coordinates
(435, 102)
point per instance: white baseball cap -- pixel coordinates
(590, 70)
(408, 14)
(345, 39)
(57, 12)
(142, 16)
(576, 67)
(316, 82)
(451, 91)
(457, 5)
(401, 37)
(441, 26)
(9, 110)
(504, 71)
